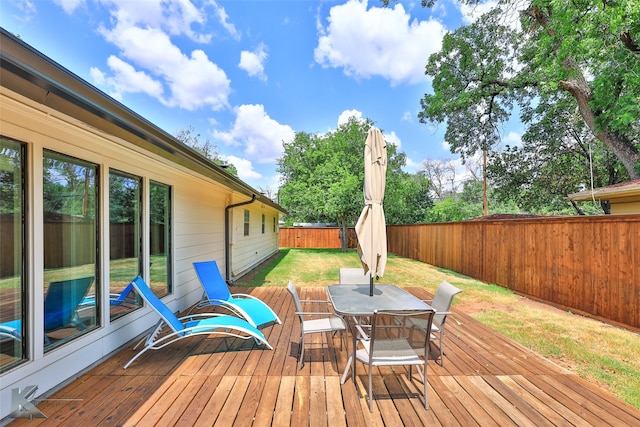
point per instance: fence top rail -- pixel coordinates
(632, 218)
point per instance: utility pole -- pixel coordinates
(484, 181)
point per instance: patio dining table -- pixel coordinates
(354, 301)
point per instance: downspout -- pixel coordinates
(227, 257)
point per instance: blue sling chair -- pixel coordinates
(60, 308)
(126, 299)
(170, 328)
(216, 293)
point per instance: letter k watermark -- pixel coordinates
(21, 406)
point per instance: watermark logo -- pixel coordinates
(21, 406)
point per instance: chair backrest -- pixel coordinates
(214, 285)
(122, 297)
(158, 306)
(62, 299)
(397, 334)
(354, 276)
(442, 300)
(296, 299)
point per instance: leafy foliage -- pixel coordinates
(69, 186)
(124, 198)
(572, 70)
(11, 166)
(323, 177)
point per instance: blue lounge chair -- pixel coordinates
(216, 292)
(11, 330)
(60, 308)
(126, 298)
(170, 328)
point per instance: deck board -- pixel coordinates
(486, 380)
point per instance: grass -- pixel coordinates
(596, 351)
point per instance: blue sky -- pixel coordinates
(247, 75)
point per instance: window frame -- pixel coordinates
(21, 148)
(133, 302)
(168, 236)
(247, 222)
(97, 269)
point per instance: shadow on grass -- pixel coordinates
(258, 276)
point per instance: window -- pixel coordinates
(263, 223)
(125, 241)
(70, 248)
(12, 261)
(160, 238)
(246, 222)
(274, 224)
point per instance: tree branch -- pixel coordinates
(629, 43)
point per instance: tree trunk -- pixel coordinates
(620, 146)
(344, 234)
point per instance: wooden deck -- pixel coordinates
(487, 380)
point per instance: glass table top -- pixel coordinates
(355, 299)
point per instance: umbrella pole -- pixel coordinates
(374, 255)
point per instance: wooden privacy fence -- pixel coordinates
(585, 264)
(74, 243)
(313, 237)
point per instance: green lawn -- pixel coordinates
(596, 351)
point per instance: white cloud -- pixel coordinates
(377, 42)
(126, 79)
(243, 166)
(253, 62)
(26, 11)
(412, 166)
(513, 139)
(346, 114)
(175, 17)
(393, 138)
(509, 16)
(192, 81)
(69, 6)
(407, 117)
(471, 12)
(223, 19)
(259, 135)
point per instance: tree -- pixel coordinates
(407, 199)
(442, 177)
(323, 176)
(559, 156)
(190, 138)
(580, 58)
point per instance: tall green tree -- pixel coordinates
(542, 57)
(323, 176)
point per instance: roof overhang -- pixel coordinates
(33, 75)
(620, 193)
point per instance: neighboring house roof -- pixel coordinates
(623, 192)
(29, 73)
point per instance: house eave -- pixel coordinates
(29, 73)
(611, 194)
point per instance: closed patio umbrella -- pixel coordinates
(371, 228)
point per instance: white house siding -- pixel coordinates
(249, 250)
(618, 208)
(198, 219)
